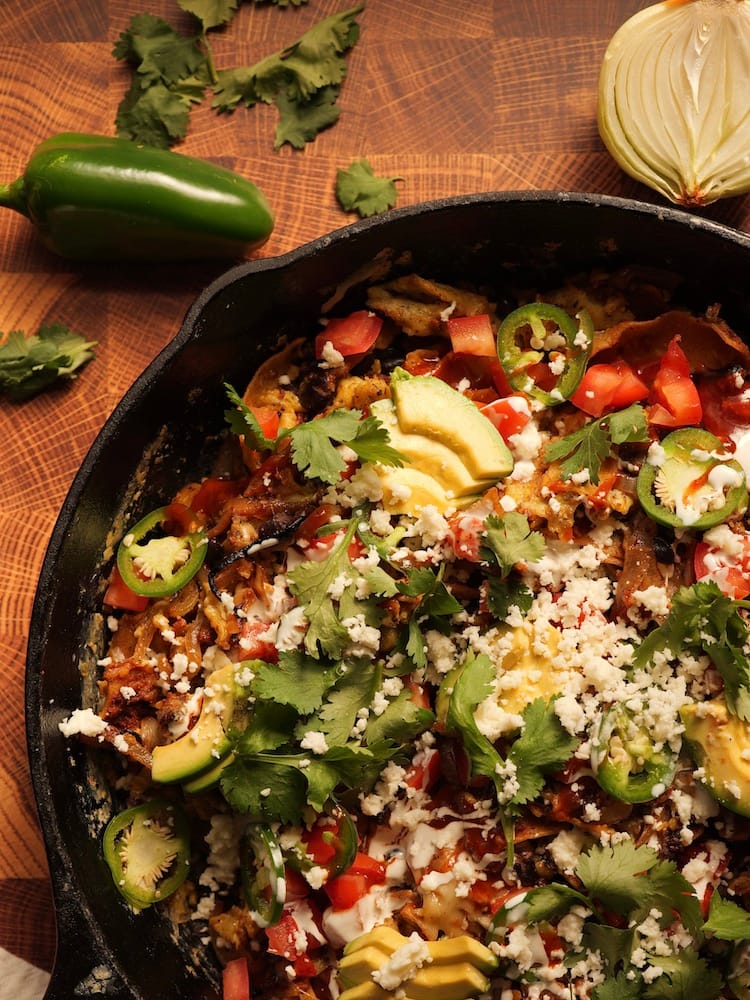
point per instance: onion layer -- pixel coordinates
(674, 99)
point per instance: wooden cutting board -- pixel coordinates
(450, 97)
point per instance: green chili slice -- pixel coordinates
(626, 763)
(262, 874)
(162, 552)
(544, 350)
(690, 481)
(147, 849)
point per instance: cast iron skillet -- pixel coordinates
(171, 415)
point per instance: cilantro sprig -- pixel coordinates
(313, 444)
(633, 883)
(586, 448)
(28, 365)
(359, 190)
(704, 620)
(173, 71)
(506, 542)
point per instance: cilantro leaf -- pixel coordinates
(309, 583)
(473, 684)
(314, 452)
(269, 728)
(354, 689)
(632, 881)
(502, 595)
(29, 365)
(243, 422)
(402, 721)
(509, 540)
(301, 121)
(590, 445)
(303, 79)
(158, 52)
(620, 988)
(265, 788)
(614, 944)
(211, 13)
(436, 603)
(359, 190)
(156, 117)
(726, 920)
(704, 620)
(296, 680)
(686, 976)
(543, 746)
(552, 900)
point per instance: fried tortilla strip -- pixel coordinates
(419, 306)
(709, 343)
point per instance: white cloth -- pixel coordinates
(19, 980)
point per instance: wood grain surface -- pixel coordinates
(451, 97)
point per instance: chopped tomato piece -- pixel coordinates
(424, 770)
(510, 415)
(729, 571)
(254, 644)
(674, 394)
(119, 595)
(608, 386)
(350, 335)
(268, 419)
(472, 335)
(235, 979)
(346, 890)
(213, 494)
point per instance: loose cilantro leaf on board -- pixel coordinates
(28, 365)
(211, 13)
(508, 540)
(359, 190)
(170, 73)
(243, 422)
(301, 121)
(590, 445)
(726, 920)
(543, 746)
(296, 76)
(704, 620)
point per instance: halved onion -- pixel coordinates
(674, 99)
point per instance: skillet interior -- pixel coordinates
(173, 411)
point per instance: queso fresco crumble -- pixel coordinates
(440, 682)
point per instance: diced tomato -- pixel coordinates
(674, 394)
(253, 643)
(296, 884)
(608, 386)
(472, 335)
(424, 770)
(213, 494)
(729, 572)
(350, 335)
(466, 529)
(268, 419)
(510, 415)
(317, 546)
(346, 890)
(119, 595)
(235, 980)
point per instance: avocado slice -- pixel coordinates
(719, 742)
(430, 456)
(429, 407)
(207, 779)
(207, 743)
